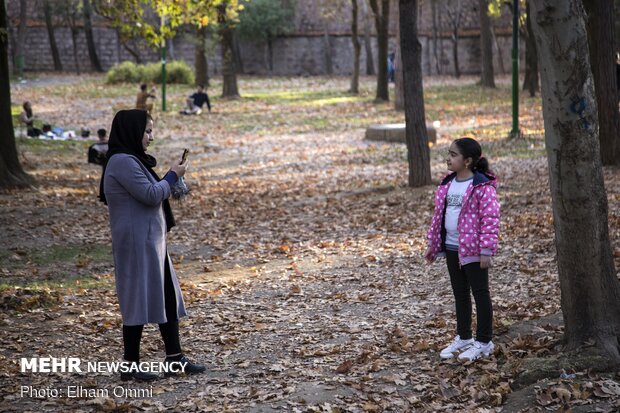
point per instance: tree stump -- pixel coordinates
(395, 132)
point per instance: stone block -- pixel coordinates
(395, 132)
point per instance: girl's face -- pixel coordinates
(148, 134)
(455, 161)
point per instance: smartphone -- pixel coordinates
(184, 157)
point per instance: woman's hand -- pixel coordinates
(428, 255)
(485, 262)
(180, 168)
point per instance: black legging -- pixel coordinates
(169, 330)
(471, 277)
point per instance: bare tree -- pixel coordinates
(90, 39)
(370, 65)
(49, 24)
(418, 153)
(590, 290)
(11, 172)
(454, 11)
(382, 21)
(486, 45)
(600, 27)
(357, 48)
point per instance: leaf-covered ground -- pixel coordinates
(299, 251)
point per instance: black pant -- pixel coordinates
(169, 330)
(472, 278)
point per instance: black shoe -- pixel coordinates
(139, 376)
(190, 368)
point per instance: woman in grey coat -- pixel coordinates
(140, 216)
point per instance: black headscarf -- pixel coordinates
(126, 136)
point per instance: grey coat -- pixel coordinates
(139, 240)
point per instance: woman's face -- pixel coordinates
(148, 134)
(455, 161)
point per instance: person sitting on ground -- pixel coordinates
(142, 98)
(97, 151)
(196, 101)
(27, 118)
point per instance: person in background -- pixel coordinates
(143, 96)
(97, 151)
(27, 118)
(196, 101)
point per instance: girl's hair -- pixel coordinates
(470, 148)
(27, 108)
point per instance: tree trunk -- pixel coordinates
(600, 27)
(435, 30)
(237, 54)
(418, 154)
(399, 93)
(11, 172)
(357, 49)
(327, 49)
(229, 71)
(455, 53)
(370, 60)
(486, 45)
(590, 290)
(90, 40)
(382, 20)
(530, 81)
(200, 57)
(74, 34)
(500, 56)
(49, 24)
(270, 53)
(19, 62)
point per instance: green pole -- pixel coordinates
(515, 69)
(163, 77)
(163, 66)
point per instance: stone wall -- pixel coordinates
(301, 53)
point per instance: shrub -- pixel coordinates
(177, 71)
(125, 72)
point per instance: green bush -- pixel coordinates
(177, 71)
(125, 72)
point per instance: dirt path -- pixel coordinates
(300, 256)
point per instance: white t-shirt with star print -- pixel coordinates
(454, 201)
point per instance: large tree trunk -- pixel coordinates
(399, 93)
(357, 49)
(237, 54)
(370, 61)
(229, 71)
(600, 27)
(418, 154)
(435, 35)
(20, 61)
(486, 45)
(200, 57)
(590, 290)
(530, 81)
(90, 40)
(11, 172)
(47, 10)
(74, 34)
(382, 20)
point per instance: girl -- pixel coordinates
(465, 228)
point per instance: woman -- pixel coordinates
(146, 284)
(27, 118)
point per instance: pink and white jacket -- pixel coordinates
(478, 223)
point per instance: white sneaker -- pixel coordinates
(477, 350)
(457, 345)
